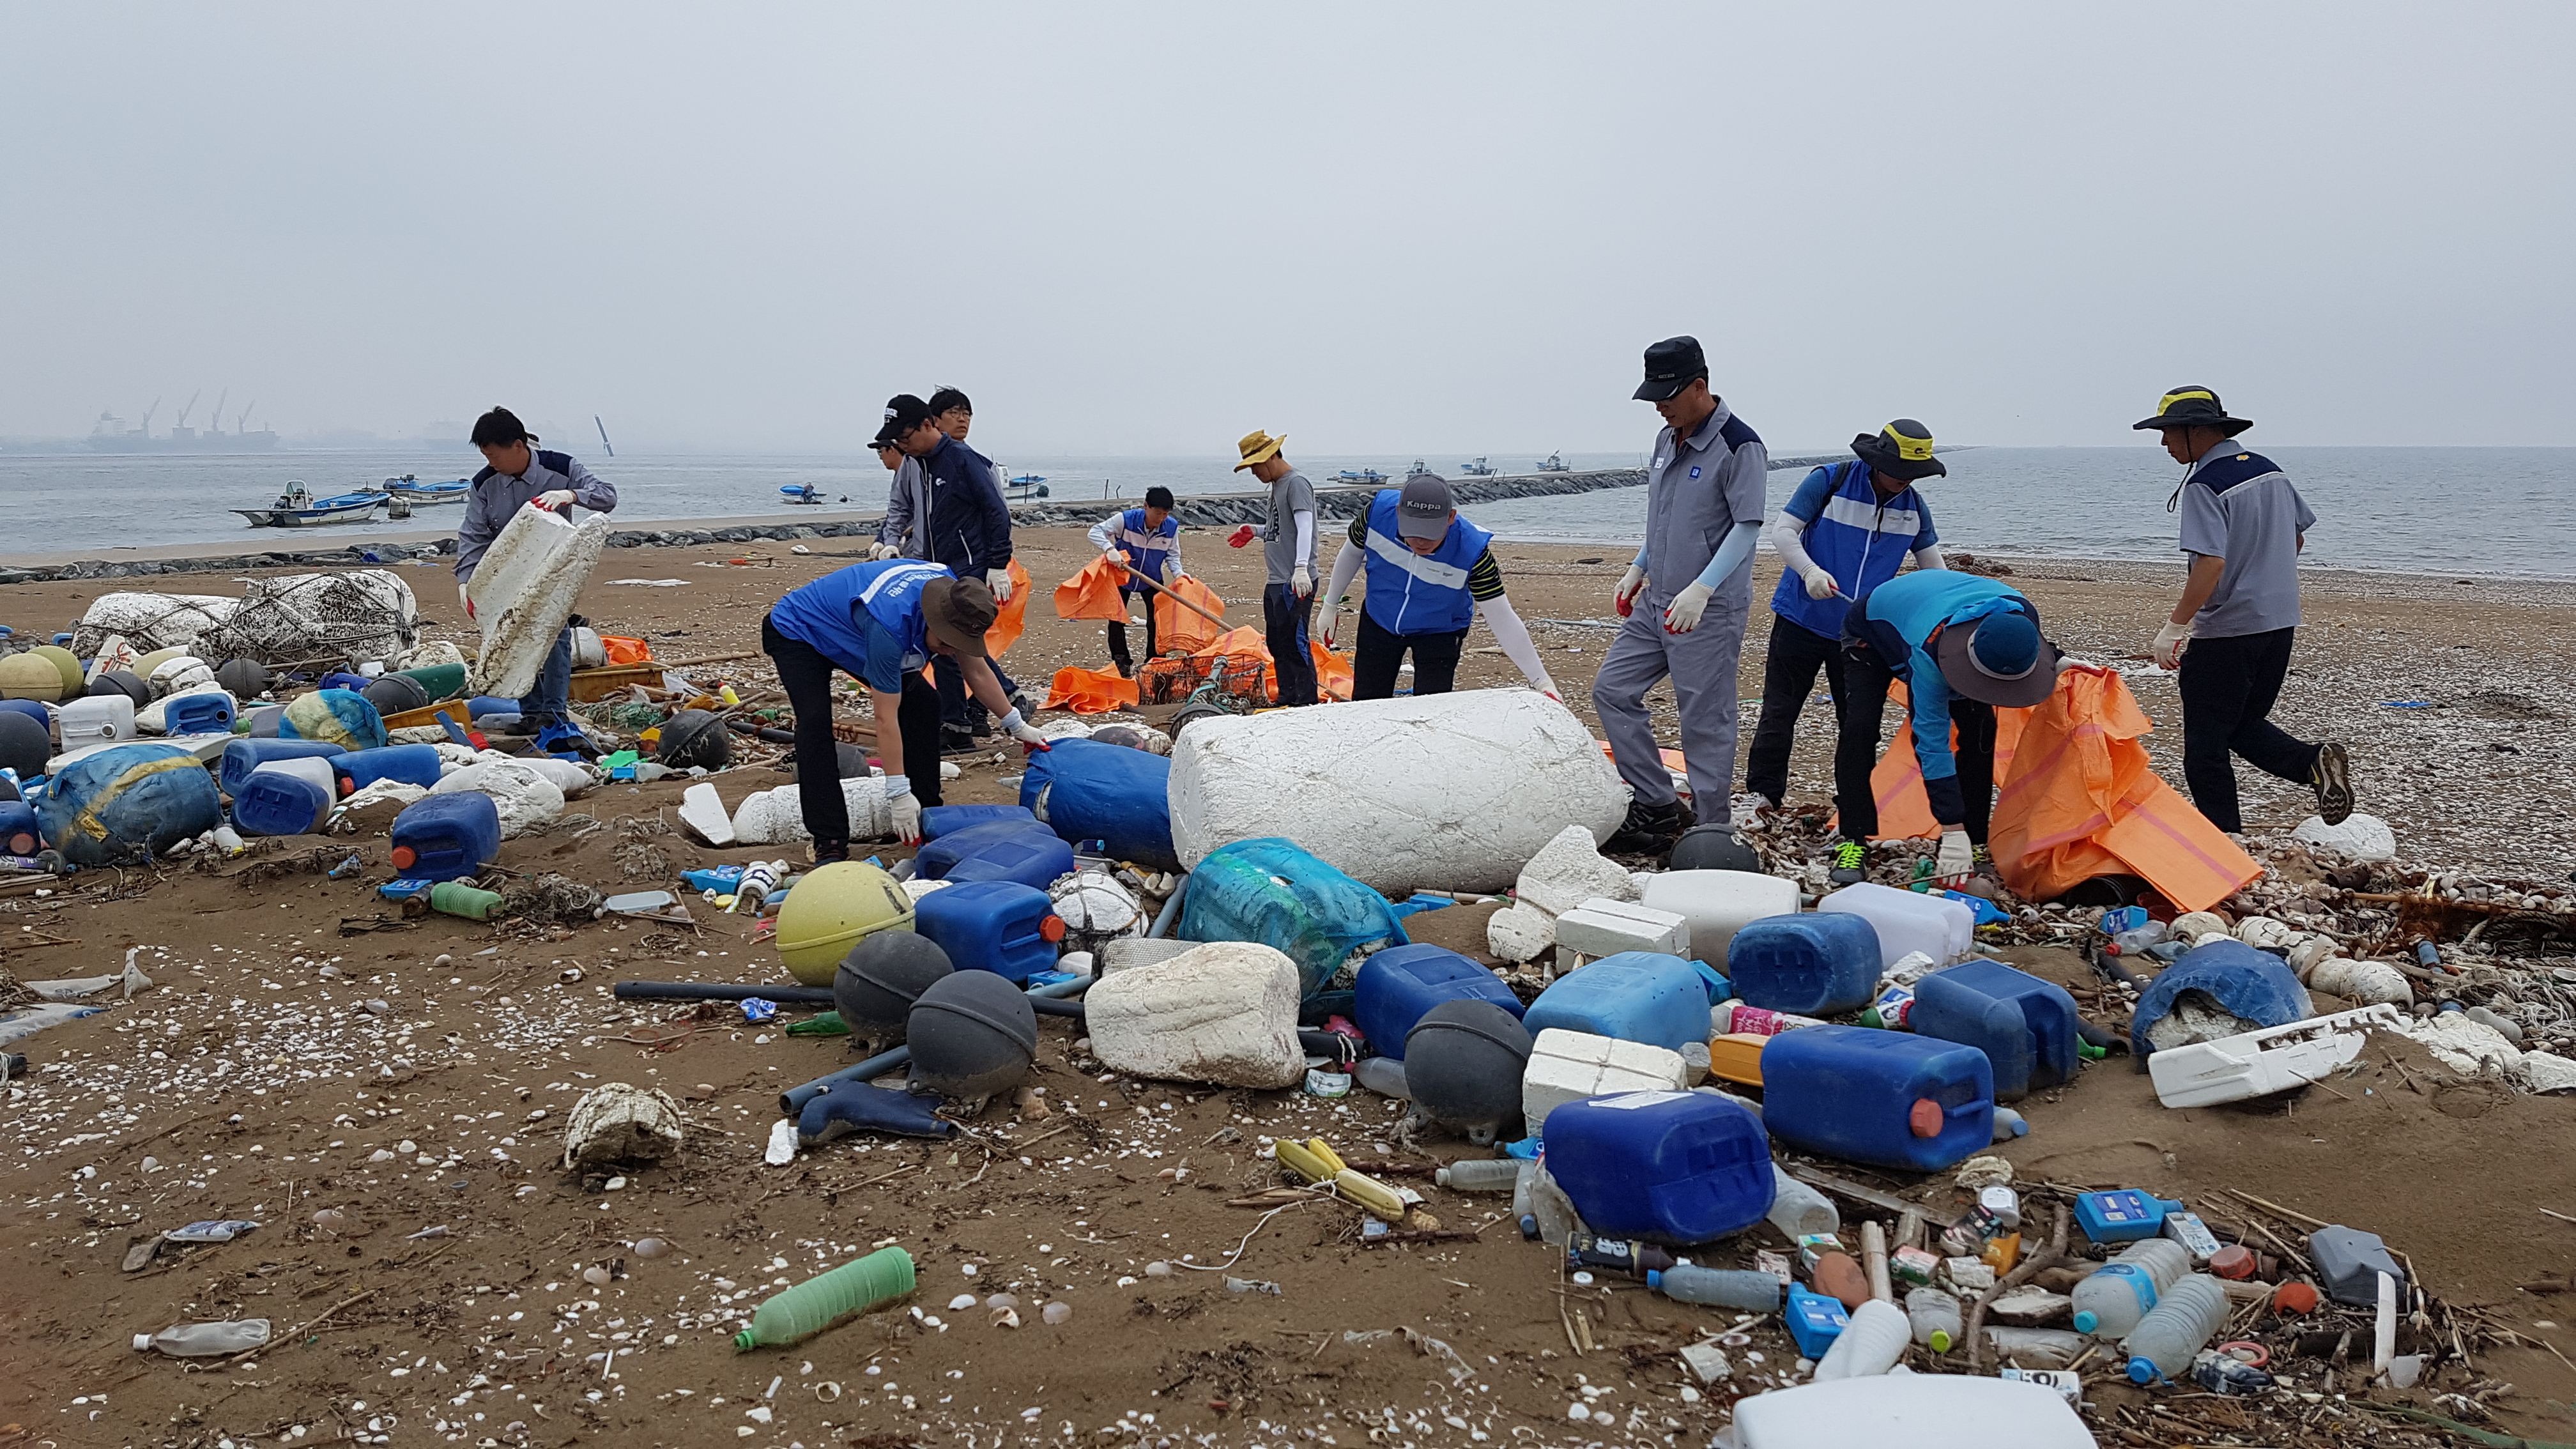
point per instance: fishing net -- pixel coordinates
(314, 620)
(149, 621)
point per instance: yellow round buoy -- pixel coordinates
(32, 676)
(830, 909)
(142, 668)
(68, 664)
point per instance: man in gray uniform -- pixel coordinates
(905, 530)
(516, 476)
(1685, 599)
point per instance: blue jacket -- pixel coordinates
(1145, 551)
(970, 525)
(1410, 593)
(1897, 622)
(496, 495)
(1853, 534)
(865, 618)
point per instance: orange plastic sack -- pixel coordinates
(1176, 628)
(1091, 691)
(1904, 811)
(1013, 618)
(2082, 801)
(1332, 671)
(1092, 593)
(622, 650)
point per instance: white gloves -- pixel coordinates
(551, 499)
(466, 599)
(1332, 624)
(1687, 607)
(1821, 585)
(2169, 644)
(1625, 598)
(878, 552)
(1544, 685)
(1957, 858)
(1301, 581)
(2066, 662)
(906, 806)
(1021, 730)
(1000, 582)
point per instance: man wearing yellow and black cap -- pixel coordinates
(2228, 640)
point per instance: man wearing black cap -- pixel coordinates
(2229, 639)
(1695, 577)
(904, 532)
(1430, 572)
(970, 532)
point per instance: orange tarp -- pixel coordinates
(1091, 691)
(1013, 618)
(622, 650)
(1177, 629)
(1092, 593)
(1904, 811)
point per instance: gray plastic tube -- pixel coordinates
(792, 1101)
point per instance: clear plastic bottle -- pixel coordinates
(1799, 1210)
(1480, 1174)
(2135, 942)
(1934, 1315)
(1542, 1208)
(1718, 1287)
(1876, 1339)
(1382, 1075)
(205, 1340)
(819, 1302)
(2111, 1301)
(2188, 1315)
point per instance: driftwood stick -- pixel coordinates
(2032, 1266)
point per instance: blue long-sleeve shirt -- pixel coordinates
(496, 495)
(970, 525)
(1898, 620)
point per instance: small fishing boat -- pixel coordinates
(413, 490)
(804, 493)
(1025, 486)
(1364, 475)
(1555, 464)
(1477, 468)
(298, 508)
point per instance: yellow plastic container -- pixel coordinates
(1737, 1057)
(830, 910)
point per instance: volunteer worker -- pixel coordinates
(905, 530)
(517, 476)
(1964, 645)
(1845, 531)
(1430, 572)
(1694, 578)
(1144, 541)
(881, 622)
(969, 531)
(1288, 562)
(2229, 638)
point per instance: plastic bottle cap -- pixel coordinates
(2294, 1298)
(1940, 1340)
(2087, 1321)
(744, 1342)
(1926, 1118)
(1654, 1277)
(1051, 929)
(405, 857)
(2143, 1371)
(142, 1342)
(348, 786)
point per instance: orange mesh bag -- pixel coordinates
(1091, 691)
(1092, 593)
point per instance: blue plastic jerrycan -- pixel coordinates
(2025, 1026)
(1884, 1098)
(1011, 850)
(245, 755)
(446, 837)
(1667, 1167)
(939, 820)
(999, 926)
(409, 764)
(198, 714)
(1397, 985)
(1811, 965)
(1642, 996)
(18, 832)
(272, 802)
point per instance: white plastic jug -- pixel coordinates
(1718, 903)
(97, 720)
(316, 768)
(1917, 1411)
(1907, 921)
(1877, 1337)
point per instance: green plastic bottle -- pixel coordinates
(821, 1301)
(456, 898)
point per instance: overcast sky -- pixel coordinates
(1377, 228)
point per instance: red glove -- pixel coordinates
(1239, 537)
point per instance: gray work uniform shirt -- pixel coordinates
(2239, 506)
(1697, 490)
(496, 495)
(1290, 496)
(907, 515)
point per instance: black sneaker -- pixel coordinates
(1851, 863)
(1649, 829)
(956, 742)
(828, 852)
(2332, 777)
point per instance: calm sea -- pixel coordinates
(2444, 510)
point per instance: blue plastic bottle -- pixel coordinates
(1643, 996)
(1086, 790)
(2123, 1216)
(1400, 983)
(1028, 853)
(1882, 1098)
(274, 803)
(243, 756)
(941, 820)
(483, 704)
(1810, 965)
(2025, 1026)
(410, 764)
(446, 837)
(1815, 1321)
(343, 679)
(999, 926)
(18, 832)
(1664, 1167)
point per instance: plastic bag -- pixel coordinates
(341, 717)
(1013, 618)
(1091, 691)
(1269, 891)
(1092, 593)
(1176, 628)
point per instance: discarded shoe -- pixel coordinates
(2332, 777)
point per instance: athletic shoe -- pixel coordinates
(1649, 829)
(1851, 863)
(2332, 777)
(827, 852)
(1984, 860)
(956, 742)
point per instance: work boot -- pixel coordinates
(954, 741)
(1648, 830)
(2331, 776)
(829, 852)
(1851, 863)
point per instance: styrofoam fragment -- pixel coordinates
(2548, 1072)
(617, 1122)
(1519, 933)
(776, 817)
(1606, 927)
(572, 777)
(525, 797)
(2361, 837)
(2465, 1046)
(1129, 952)
(147, 622)
(702, 811)
(1224, 1012)
(1569, 870)
(380, 791)
(523, 591)
(1567, 1066)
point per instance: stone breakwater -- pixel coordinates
(1205, 510)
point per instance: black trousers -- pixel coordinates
(1864, 697)
(1380, 655)
(1788, 676)
(2228, 688)
(1284, 618)
(1118, 634)
(958, 709)
(806, 676)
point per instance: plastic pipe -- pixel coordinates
(706, 991)
(1171, 908)
(792, 1101)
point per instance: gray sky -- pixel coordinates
(1146, 230)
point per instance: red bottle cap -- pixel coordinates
(2294, 1298)
(348, 786)
(2232, 1262)
(1051, 929)
(404, 855)
(1926, 1118)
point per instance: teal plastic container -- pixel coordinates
(1397, 985)
(1642, 996)
(409, 764)
(245, 755)
(1269, 890)
(999, 926)
(1884, 1098)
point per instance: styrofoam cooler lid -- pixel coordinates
(1918, 1411)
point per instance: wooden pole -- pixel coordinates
(1177, 599)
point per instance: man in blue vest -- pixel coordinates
(516, 476)
(1695, 578)
(1845, 531)
(1964, 645)
(1145, 542)
(969, 531)
(883, 623)
(1430, 572)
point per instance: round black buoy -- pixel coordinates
(973, 1034)
(120, 681)
(392, 693)
(1463, 1062)
(1713, 847)
(24, 745)
(882, 977)
(695, 737)
(244, 679)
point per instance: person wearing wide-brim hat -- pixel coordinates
(1965, 646)
(1288, 562)
(2230, 636)
(1847, 529)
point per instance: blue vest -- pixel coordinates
(890, 590)
(1145, 551)
(1855, 537)
(1411, 593)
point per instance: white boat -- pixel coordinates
(298, 508)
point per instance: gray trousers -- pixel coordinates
(1702, 666)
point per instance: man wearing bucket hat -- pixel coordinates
(882, 622)
(2229, 638)
(1430, 572)
(1288, 555)
(1704, 495)
(1964, 646)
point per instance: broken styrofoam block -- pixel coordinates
(1224, 1012)
(1128, 952)
(2472, 1049)
(2548, 1072)
(2360, 837)
(1567, 1066)
(616, 1122)
(523, 591)
(1603, 927)
(1519, 933)
(1707, 1363)
(1719, 903)
(1569, 870)
(703, 811)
